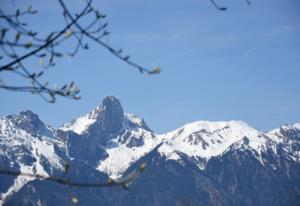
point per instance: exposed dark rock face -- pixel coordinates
(30, 122)
(111, 118)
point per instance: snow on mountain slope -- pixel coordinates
(135, 120)
(28, 152)
(206, 139)
(81, 124)
(279, 133)
(289, 137)
(125, 150)
(16, 142)
(200, 139)
(18, 183)
(132, 143)
(124, 136)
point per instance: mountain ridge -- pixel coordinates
(111, 141)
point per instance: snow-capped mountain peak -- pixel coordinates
(206, 139)
(280, 134)
(30, 146)
(31, 123)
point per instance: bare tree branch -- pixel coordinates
(46, 49)
(217, 6)
(222, 8)
(123, 182)
(28, 44)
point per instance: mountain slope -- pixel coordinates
(28, 146)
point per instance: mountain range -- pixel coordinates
(200, 163)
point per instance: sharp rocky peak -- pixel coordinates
(26, 115)
(286, 133)
(111, 117)
(28, 121)
(110, 105)
(107, 117)
(111, 102)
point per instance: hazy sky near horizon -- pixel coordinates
(241, 64)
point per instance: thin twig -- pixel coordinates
(47, 43)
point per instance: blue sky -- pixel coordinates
(242, 64)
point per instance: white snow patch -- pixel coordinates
(17, 142)
(276, 134)
(81, 124)
(121, 156)
(133, 118)
(213, 137)
(46, 149)
(19, 182)
(167, 151)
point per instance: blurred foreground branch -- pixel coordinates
(19, 43)
(123, 181)
(223, 8)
